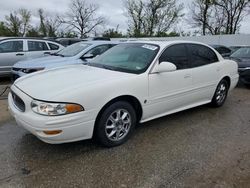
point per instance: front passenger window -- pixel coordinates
(176, 54)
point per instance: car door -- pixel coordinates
(11, 51)
(37, 48)
(206, 70)
(170, 90)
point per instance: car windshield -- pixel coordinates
(129, 57)
(242, 53)
(73, 49)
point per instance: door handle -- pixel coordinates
(19, 54)
(187, 76)
(46, 53)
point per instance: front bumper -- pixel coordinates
(74, 127)
(244, 75)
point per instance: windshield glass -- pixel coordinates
(73, 49)
(131, 58)
(242, 53)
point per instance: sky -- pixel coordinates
(113, 10)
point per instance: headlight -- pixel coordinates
(55, 109)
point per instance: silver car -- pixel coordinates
(74, 54)
(13, 50)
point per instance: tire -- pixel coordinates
(220, 94)
(113, 129)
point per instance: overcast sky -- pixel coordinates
(113, 10)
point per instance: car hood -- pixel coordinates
(242, 62)
(46, 85)
(43, 62)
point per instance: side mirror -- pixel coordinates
(88, 56)
(164, 67)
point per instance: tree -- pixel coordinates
(152, 17)
(219, 16)
(235, 11)
(82, 17)
(42, 27)
(136, 14)
(4, 31)
(13, 23)
(112, 33)
(25, 20)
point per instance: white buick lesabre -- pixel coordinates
(131, 83)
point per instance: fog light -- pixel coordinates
(54, 132)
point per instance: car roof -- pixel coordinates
(31, 38)
(163, 44)
(96, 42)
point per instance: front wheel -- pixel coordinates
(220, 95)
(116, 124)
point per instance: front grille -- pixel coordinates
(18, 102)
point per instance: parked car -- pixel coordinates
(132, 82)
(13, 50)
(235, 48)
(223, 50)
(73, 54)
(242, 57)
(69, 41)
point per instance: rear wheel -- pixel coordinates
(116, 124)
(220, 95)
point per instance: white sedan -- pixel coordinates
(132, 83)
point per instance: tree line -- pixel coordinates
(146, 18)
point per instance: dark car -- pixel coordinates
(223, 50)
(242, 57)
(235, 48)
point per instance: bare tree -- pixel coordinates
(42, 27)
(136, 14)
(234, 10)
(219, 16)
(25, 19)
(162, 15)
(82, 17)
(152, 17)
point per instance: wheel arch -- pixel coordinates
(127, 98)
(228, 79)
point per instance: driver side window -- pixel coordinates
(176, 54)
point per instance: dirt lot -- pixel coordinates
(201, 147)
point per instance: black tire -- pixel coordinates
(220, 94)
(103, 128)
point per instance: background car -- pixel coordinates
(223, 50)
(72, 54)
(242, 57)
(235, 48)
(130, 83)
(69, 41)
(13, 50)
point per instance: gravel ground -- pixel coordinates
(200, 147)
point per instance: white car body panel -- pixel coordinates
(94, 87)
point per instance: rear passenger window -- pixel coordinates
(201, 55)
(53, 46)
(37, 46)
(176, 54)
